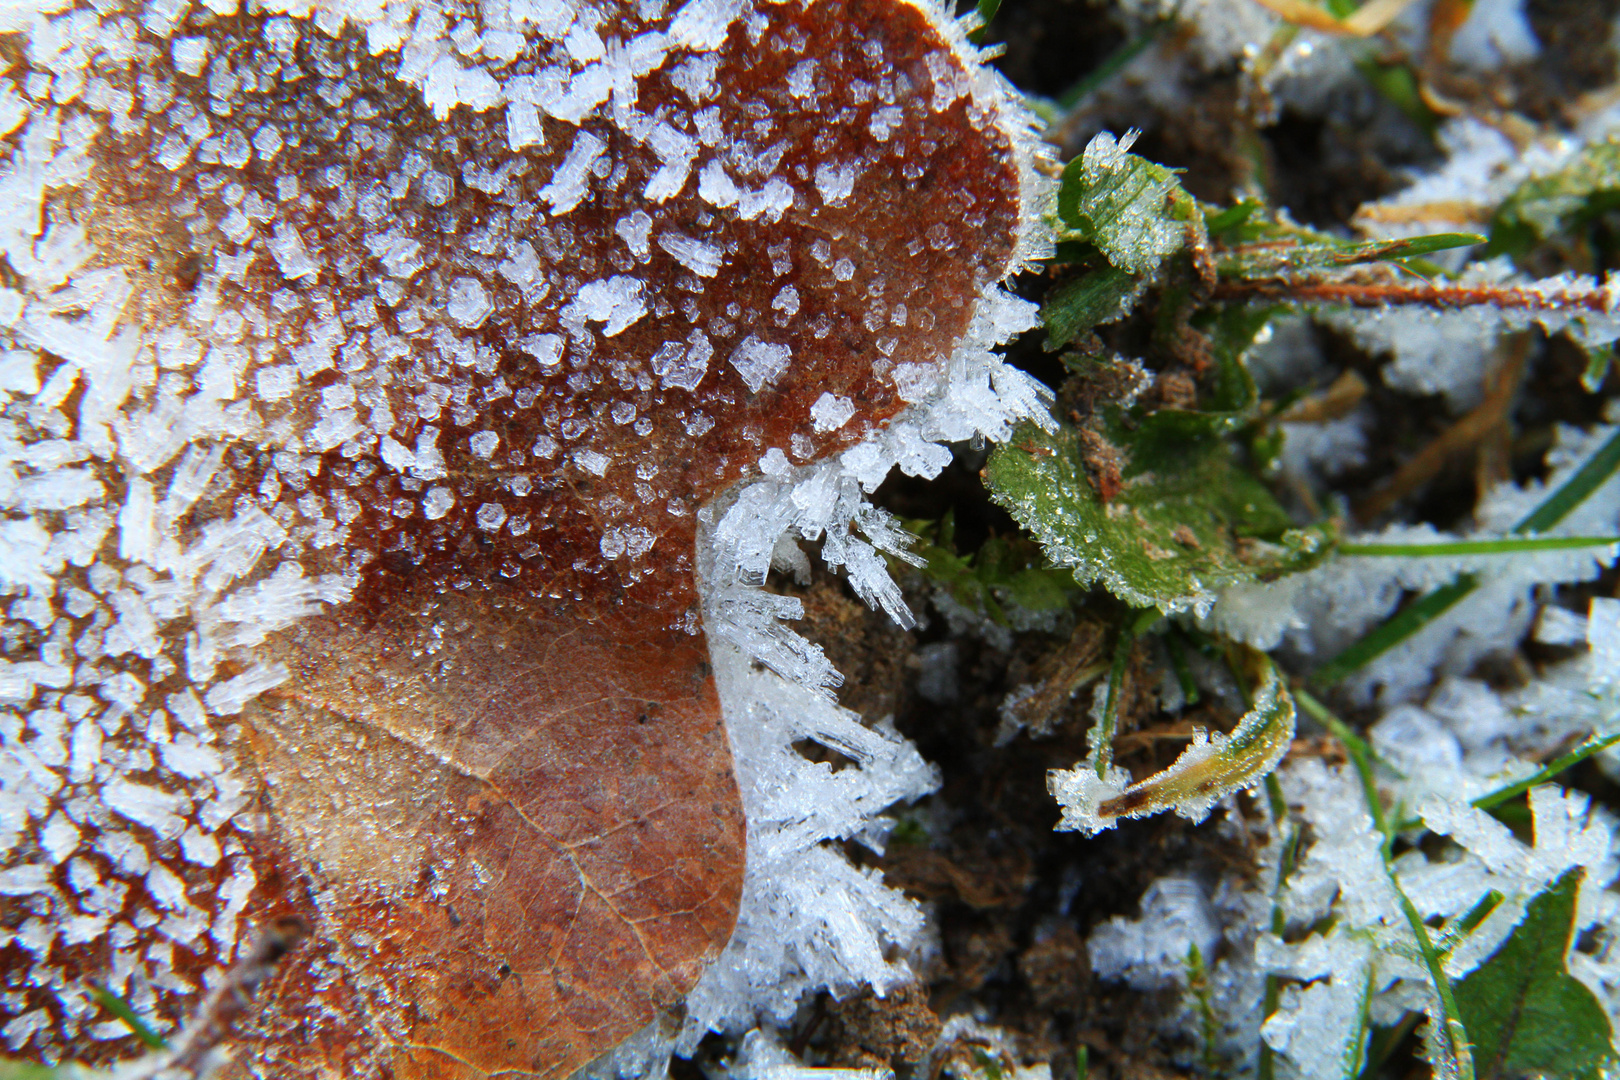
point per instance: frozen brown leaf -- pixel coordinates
(406, 347)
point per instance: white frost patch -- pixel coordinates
(683, 366)
(593, 462)
(437, 502)
(701, 25)
(835, 182)
(567, 187)
(190, 55)
(634, 230)
(831, 412)
(810, 919)
(155, 808)
(700, 258)
(469, 303)
(786, 301)
(616, 302)
(760, 363)
(1150, 953)
(769, 202)
(227, 698)
(287, 247)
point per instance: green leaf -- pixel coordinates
(1009, 569)
(986, 10)
(1116, 62)
(1186, 518)
(1399, 83)
(1292, 250)
(1547, 206)
(1220, 222)
(1599, 360)
(1134, 211)
(1094, 298)
(1524, 1012)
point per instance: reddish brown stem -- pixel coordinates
(1385, 294)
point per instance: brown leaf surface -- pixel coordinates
(496, 785)
(524, 830)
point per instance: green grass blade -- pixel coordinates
(1266, 1067)
(1596, 471)
(1102, 749)
(120, 1008)
(1574, 491)
(1468, 923)
(1546, 772)
(1339, 729)
(1448, 1025)
(1507, 545)
(1406, 622)
(1116, 63)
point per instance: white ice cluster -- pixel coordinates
(1152, 952)
(1312, 70)
(809, 918)
(1367, 964)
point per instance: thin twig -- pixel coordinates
(1465, 434)
(192, 1053)
(1373, 294)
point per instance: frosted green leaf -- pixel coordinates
(1285, 250)
(1545, 206)
(1214, 766)
(1524, 1012)
(1092, 299)
(1002, 570)
(1134, 211)
(1185, 519)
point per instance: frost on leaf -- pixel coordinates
(1134, 211)
(1214, 766)
(1185, 520)
(380, 377)
(1156, 504)
(1558, 200)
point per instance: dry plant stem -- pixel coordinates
(1452, 213)
(1472, 430)
(1334, 403)
(1075, 665)
(1445, 19)
(1387, 293)
(216, 1018)
(1367, 20)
